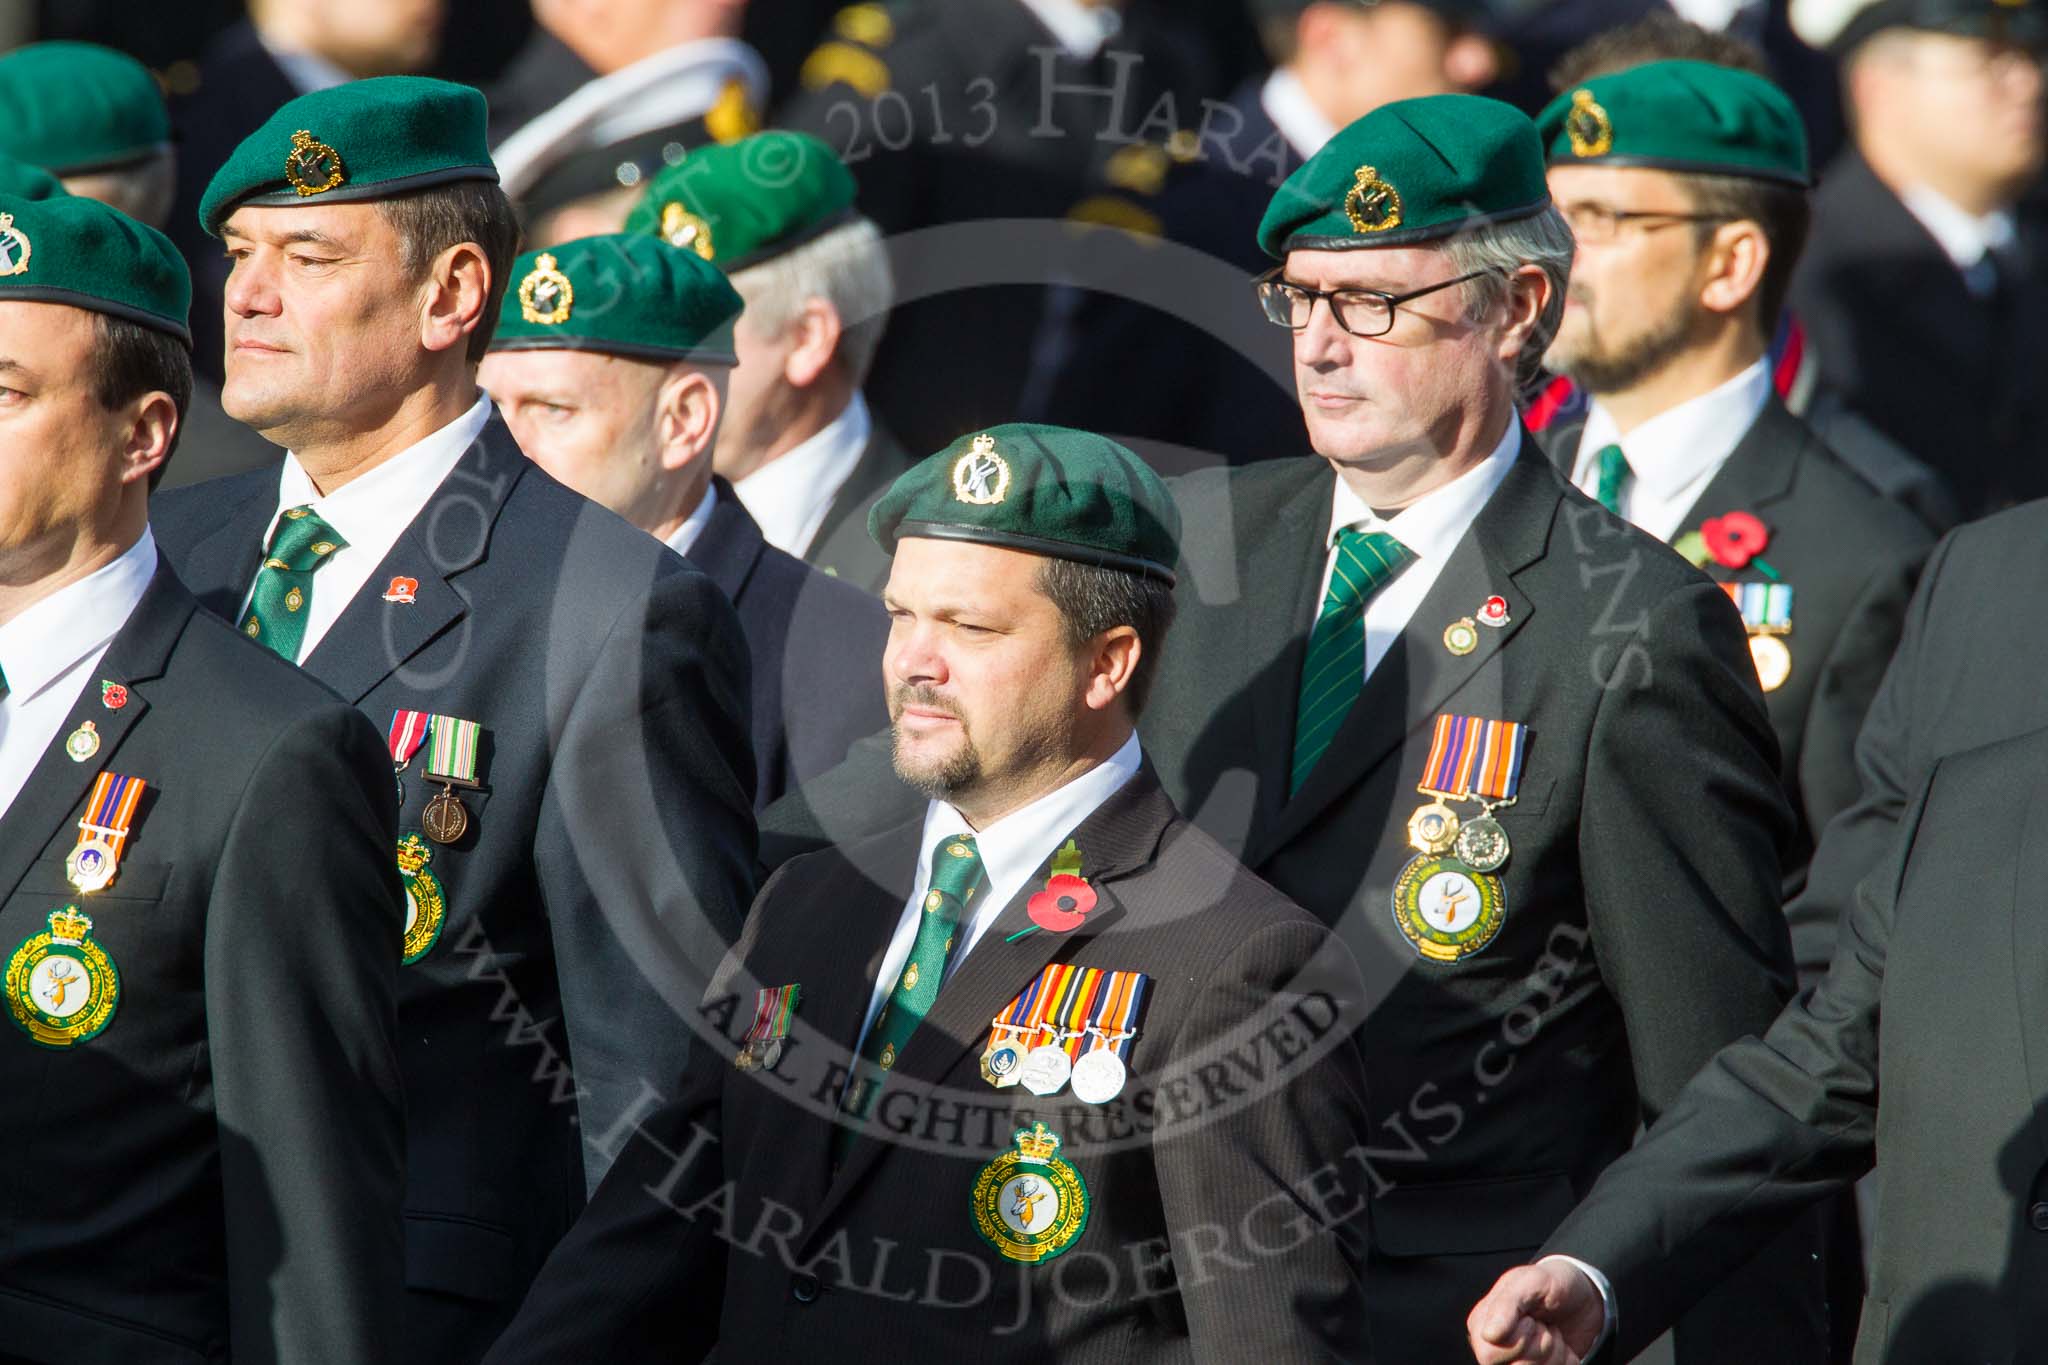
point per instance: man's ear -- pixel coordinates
(457, 290)
(688, 407)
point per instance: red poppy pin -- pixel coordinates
(404, 590)
(1066, 900)
(1736, 539)
(113, 695)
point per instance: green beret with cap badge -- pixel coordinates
(1679, 116)
(1415, 170)
(740, 203)
(77, 251)
(1045, 490)
(624, 294)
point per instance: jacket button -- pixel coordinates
(804, 1288)
(2038, 1216)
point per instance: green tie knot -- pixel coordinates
(284, 584)
(1614, 472)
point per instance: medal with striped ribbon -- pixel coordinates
(774, 1012)
(1003, 1060)
(451, 761)
(103, 832)
(1100, 1072)
(1767, 615)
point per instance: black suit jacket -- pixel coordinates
(1237, 1131)
(1851, 559)
(842, 547)
(610, 850)
(815, 645)
(1642, 928)
(1948, 375)
(217, 1174)
(1924, 1048)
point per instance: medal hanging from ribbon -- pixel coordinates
(1446, 900)
(451, 761)
(1101, 1070)
(408, 728)
(774, 1012)
(103, 832)
(1767, 615)
(1003, 1059)
(1072, 992)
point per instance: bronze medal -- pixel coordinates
(445, 819)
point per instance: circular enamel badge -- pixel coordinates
(62, 987)
(1028, 1204)
(1447, 909)
(426, 909)
(1461, 636)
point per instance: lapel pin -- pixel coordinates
(1461, 637)
(83, 742)
(404, 590)
(1494, 612)
(113, 695)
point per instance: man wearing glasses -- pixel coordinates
(1510, 747)
(1685, 185)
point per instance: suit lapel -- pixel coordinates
(136, 656)
(1419, 676)
(730, 544)
(1119, 838)
(1758, 472)
(843, 532)
(221, 565)
(1282, 580)
(373, 637)
(2029, 961)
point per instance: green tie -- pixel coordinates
(1613, 474)
(284, 585)
(1335, 668)
(956, 875)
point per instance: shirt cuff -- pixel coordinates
(1608, 1316)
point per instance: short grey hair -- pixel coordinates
(1543, 240)
(142, 189)
(848, 268)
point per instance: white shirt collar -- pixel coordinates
(1434, 523)
(1684, 445)
(1286, 102)
(790, 495)
(49, 639)
(693, 525)
(365, 508)
(307, 71)
(1965, 236)
(670, 87)
(1081, 29)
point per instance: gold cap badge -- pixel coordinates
(981, 476)
(682, 228)
(545, 295)
(312, 167)
(1372, 205)
(14, 247)
(1591, 131)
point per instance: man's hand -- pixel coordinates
(1543, 1314)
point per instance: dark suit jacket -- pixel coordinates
(1965, 674)
(1233, 1134)
(217, 1174)
(815, 645)
(1850, 558)
(1937, 1002)
(1642, 930)
(610, 850)
(843, 547)
(1948, 375)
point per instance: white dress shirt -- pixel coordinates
(1081, 29)
(1676, 454)
(1011, 849)
(1286, 102)
(50, 651)
(1430, 527)
(369, 512)
(1967, 238)
(307, 71)
(790, 495)
(693, 525)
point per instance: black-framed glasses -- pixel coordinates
(1361, 312)
(1597, 224)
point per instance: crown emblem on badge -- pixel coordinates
(545, 295)
(1372, 205)
(69, 927)
(1591, 131)
(14, 246)
(413, 854)
(1037, 1143)
(682, 228)
(981, 477)
(312, 167)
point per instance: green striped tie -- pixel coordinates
(1613, 474)
(284, 585)
(956, 876)
(1335, 669)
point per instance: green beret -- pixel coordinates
(79, 251)
(364, 140)
(737, 204)
(24, 181)
(1411, 171)
(1046, 490)
(74, 108)
(625, 294)
(1679, 116)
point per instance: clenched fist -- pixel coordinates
(1543, 1314)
